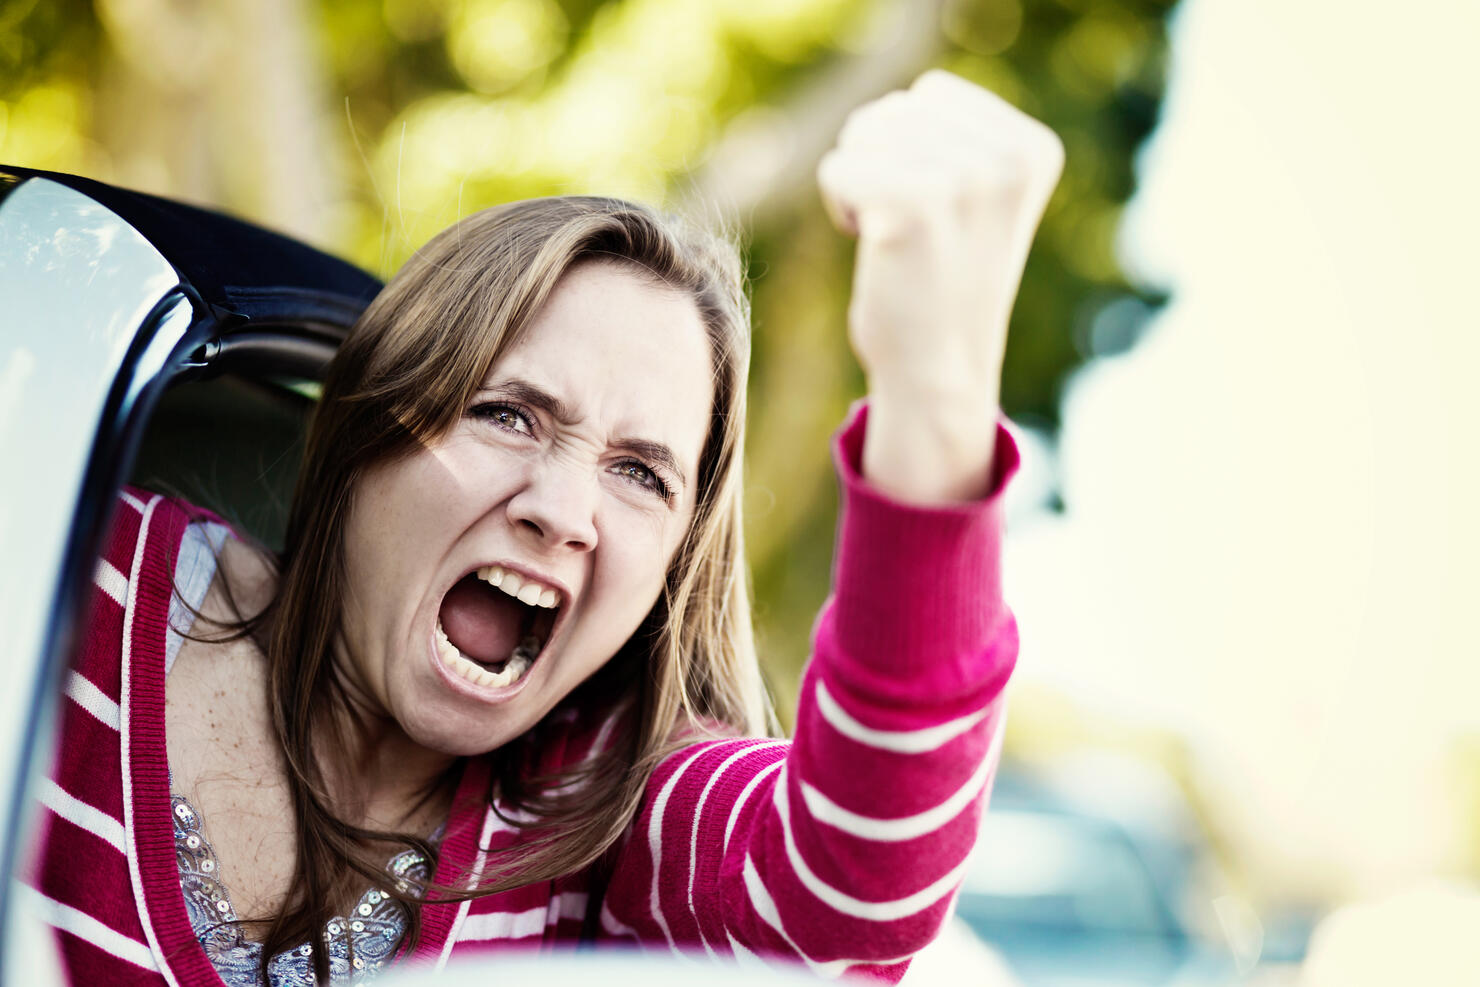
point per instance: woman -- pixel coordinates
(507, 645)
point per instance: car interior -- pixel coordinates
(231, 444)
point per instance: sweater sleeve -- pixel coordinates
(844, 848)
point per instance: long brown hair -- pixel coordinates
(404, 376)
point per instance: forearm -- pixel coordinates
(880, 799)
(943, 185)
(845, 855)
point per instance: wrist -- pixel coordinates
(949, 379)
(930, 449)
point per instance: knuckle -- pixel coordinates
(873, 118)
(855, 124)
(828, 165)
(1049, 144)
(1046, 155)
(892, 101)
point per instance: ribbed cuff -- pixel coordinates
(917, 609)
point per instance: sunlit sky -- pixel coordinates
(1270, 539)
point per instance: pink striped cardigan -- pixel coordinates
(841, 849)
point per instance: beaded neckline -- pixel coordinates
(359, 944)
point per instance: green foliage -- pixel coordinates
(442, 107)
(45, 75)
(43, 38)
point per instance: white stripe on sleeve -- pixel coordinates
(699, 814)
(825, 810)
(85, 927)
(744, 796)
(82, 815)
(91, 698)
(872, 911)
(744, 958)
(614, 926)
(518, 925)
(655, 837)
(490, 818)
(898, 741)
(765, 907)
(111, 581)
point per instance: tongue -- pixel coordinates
(482, 622)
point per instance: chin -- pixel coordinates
(460, 734)
(447, 722)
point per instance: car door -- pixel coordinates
(140, 339)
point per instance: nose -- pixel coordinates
(557, 507)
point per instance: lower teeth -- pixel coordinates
(518, 663)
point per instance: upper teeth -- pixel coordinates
(522, 588)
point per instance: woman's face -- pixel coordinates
(569, 479)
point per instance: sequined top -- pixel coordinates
(359, 945)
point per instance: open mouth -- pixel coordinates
(493, 624)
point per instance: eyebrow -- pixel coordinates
(532, 394)
(656, 453)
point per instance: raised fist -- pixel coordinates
(944, 185)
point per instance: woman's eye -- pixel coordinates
(504, 416)
(642, 476)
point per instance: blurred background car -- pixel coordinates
(1090, 871)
